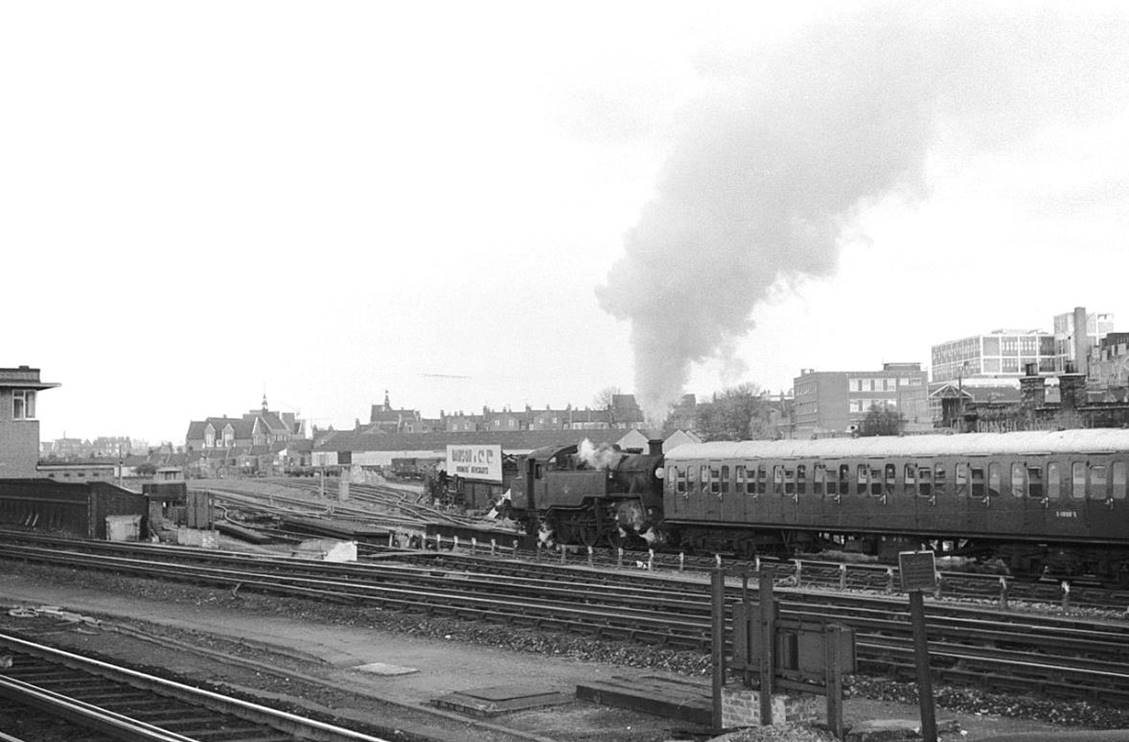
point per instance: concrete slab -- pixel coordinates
(502, 699)
(381, 668)
(685, 700)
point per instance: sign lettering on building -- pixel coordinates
(475, 462)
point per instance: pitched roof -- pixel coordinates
(519, 440)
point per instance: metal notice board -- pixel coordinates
(918, 570)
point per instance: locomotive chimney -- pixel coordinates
(655, 446)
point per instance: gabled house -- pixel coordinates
(382, 418)
(240, 445)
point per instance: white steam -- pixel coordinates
(771, 166)
(603, 456)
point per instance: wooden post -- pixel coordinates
(833, 643)
(921, 659)
(717, 641)
(768, 648)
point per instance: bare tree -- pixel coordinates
(605, 397)
(738, 413)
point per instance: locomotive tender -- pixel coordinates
(1037, 501)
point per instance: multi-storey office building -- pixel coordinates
(1006, 353)
(1076, 347)
(836, 402)
(998, 353)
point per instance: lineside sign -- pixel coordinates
(483, 463)
(918, 570)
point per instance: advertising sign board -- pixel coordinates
(483, 463)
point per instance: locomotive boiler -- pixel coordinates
(579, 494)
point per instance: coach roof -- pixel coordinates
(1092, 440)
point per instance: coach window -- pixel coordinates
(844, 479)
(860, 481)
(876, 481)
(939, 480)
(1035, 482)
(1054, 480)
(962, 479)
(705, 479)
(739, 476)
(691, 480)
(801, 479)
(909, 475)
(1078, 480)
(891, 477)
(778, 480)
(1099, 477)
(789, 481)
(978, 489)
(725, 479)
(924, 481)
(1119, 478)
(1018, 480)
(818, 472)
(833, 481)
(995, 474)
(715, 480)
(762, 479)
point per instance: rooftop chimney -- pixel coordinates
(1032, 387)
(1081, 342)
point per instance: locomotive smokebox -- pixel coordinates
(655, 446)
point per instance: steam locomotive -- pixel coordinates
(1034, 502)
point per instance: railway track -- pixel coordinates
(394, 507)
(1059, 656)
(99, 700)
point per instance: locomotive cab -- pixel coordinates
(588, 497)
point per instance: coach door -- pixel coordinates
(928, 485)
(1029, 484)
(976, 493)
(837, 495)
(731, 503)
(1066, 514)
(1105, 498)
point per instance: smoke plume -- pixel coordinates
(603, 456)
(772, 164)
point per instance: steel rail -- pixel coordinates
(295, 726)
(636, 624)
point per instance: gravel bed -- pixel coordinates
(551, 643)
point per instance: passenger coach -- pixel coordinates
(1035, 500)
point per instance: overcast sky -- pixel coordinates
(475, 204)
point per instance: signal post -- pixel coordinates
(919, 573)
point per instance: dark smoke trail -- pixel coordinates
(771, 166)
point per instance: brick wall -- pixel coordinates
(740, 707)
